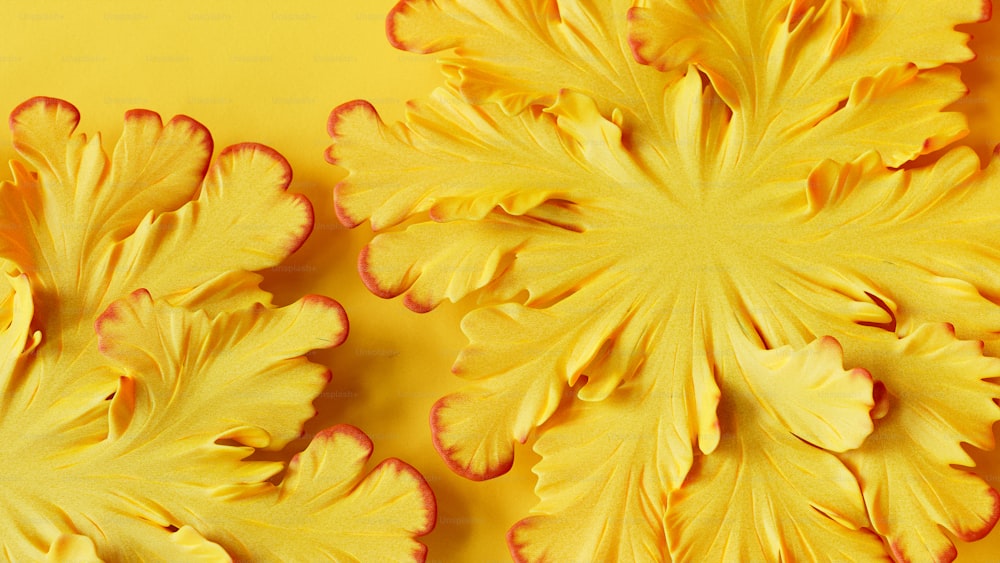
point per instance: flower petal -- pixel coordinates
(602, 482)
(155, 167)
(548, 46)
(453, 160)
(764, 495)
(810, 393)
(879, 114)
(229, 291)
(254, 234)
(16, 340)
(608, 464)
(937, 398)
(333, 509)
(801, 39)
(111, 226)
(918, 235)
(72, 549)
(228, 366)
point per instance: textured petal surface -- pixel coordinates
(518, 52)
(821, 402)
(716, 255)
(623, 443)
(937, 399)
(836, 40)
(625, 440)
(493, 162)
(765, 496)
(206, 400)
(143, 364)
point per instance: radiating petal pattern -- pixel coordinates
(142, 362)
(703, 284)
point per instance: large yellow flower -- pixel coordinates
(128, 442)
(743, 334)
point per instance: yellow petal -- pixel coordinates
(474, 429)
(197, 548)
(480, 158)
(548, 46)
(671, 34)
(602, 482)
(433, 272)
(170, 478)
(229, 291)
(920, 236)
(823, 44)
(428, 269)
(228, 366)
(378, 514)
(764, 495)
(72, 549)
(332, 508)
(877, 116)
(936, 399)
(607, 466)
(253, 175)
(154, 167)
(16, 338)
(810, 393)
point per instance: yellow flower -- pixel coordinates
(128, 442)
(682, 220)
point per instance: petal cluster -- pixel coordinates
(143, 364)
(734, 327)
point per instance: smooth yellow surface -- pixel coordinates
(271, 73)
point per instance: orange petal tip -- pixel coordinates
(447, 453)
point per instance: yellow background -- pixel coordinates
(271, 72)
